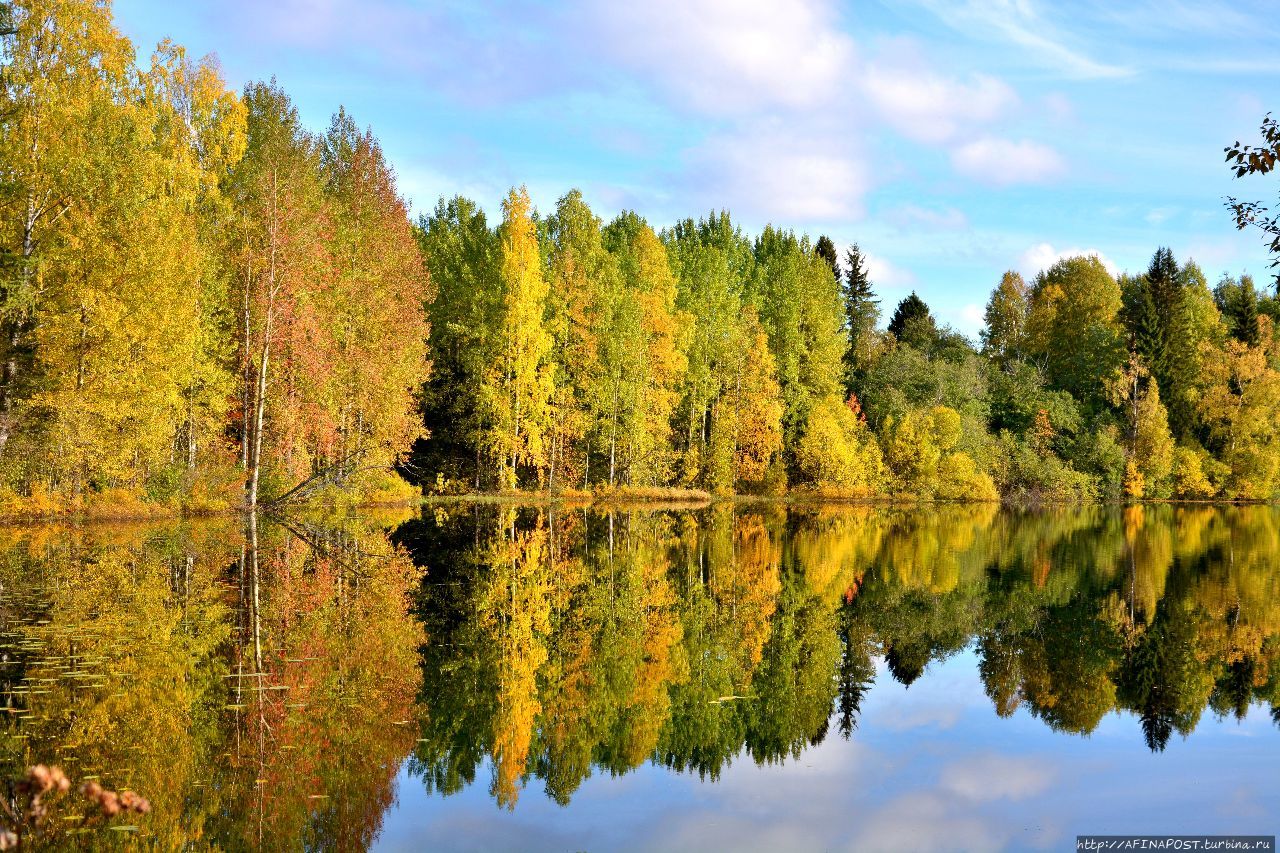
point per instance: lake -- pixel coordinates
(478, 677)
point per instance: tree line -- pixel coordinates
(574, 354)
(205, 304)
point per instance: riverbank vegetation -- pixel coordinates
(206, 305)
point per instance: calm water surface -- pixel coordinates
(729, 678)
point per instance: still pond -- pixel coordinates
(734, 677)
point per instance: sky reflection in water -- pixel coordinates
(482, 678)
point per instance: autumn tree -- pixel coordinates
(281, 256)
(203, 124)
(836, 452)
(1238, 405)
(1149, 444)
(1005, 319)
(109, 177)
(375, 308)
(644, 352)
(1257, 160)
(517, 385)
(747, 420)
(1072, 330)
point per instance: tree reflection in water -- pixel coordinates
(263, 682)
(563, 643)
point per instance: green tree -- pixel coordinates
(649, 344)
(862, 312)
(462, 255)
(1072, 330)
(1238, 302)
(912, 323)
(799, 304)
(585, 292)
(1005, 319)
(826, 250)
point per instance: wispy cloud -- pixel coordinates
(1020, 24)
(909, 216)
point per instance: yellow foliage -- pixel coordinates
(1189, 479)
(1134, 482)
(960, 480)
(835, 452)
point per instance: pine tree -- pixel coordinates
(1148, 330)
(1165, 284)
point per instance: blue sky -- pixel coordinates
(953, 140)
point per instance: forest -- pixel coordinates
(206, 305)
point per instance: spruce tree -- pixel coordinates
(862, 310)
(1148, 330)
(1164, 284)
(1245, 313)
(826, 250)
(912, 323)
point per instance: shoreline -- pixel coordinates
(669, 500)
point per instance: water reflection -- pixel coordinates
(264, 682)
(256, 685)
(565, 643)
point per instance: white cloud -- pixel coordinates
(993, 777)
(886, 275)
(1059, 107)
(1003, 162)
(726, 56)
(924, 820)
(770, 172)
(926, 106)
(1041, 256)
(973, 316)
